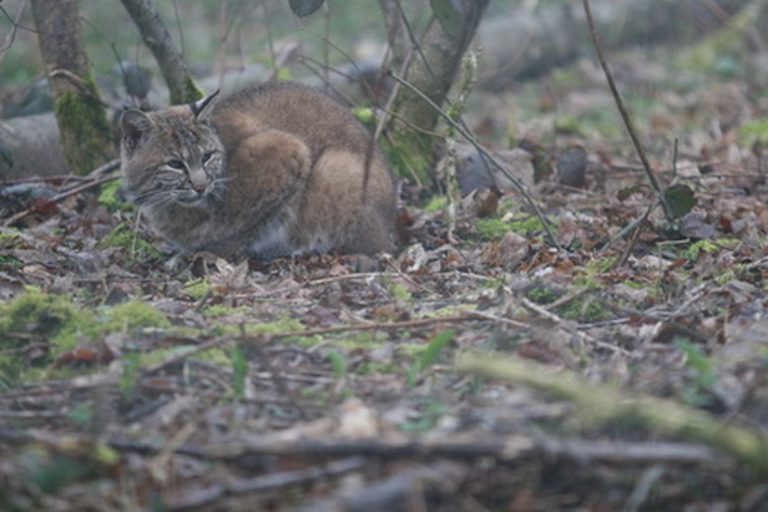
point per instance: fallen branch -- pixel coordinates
(597, 405)
(98, 179)
(465, 446)
(271, 482)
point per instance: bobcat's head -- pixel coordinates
(171, 156)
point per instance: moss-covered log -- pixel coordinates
(83, 128)
(597, 406)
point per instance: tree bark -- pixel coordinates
(83, 128)
(154, 33)
(432, 71)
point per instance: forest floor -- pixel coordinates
(489, 372)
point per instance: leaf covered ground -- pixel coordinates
(483, 370)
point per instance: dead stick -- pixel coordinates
(60, 197)
(519, 185)
(623, 111)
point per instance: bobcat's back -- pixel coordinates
(272, 170)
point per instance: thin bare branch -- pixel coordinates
(623, 111)
(467, 134)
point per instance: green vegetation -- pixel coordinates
(37, 317)
(754, 131)
(197, 289)
(495, 229)
(708, 246)
(132, 243)
(698, 393)
(338, 364)
(218, 310)
(436, 204)
(239, 370)
(108, 197)
(584, 309)
(84, 129)
(544, 294)
(430, 355)
(409, 155)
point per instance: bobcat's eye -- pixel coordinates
(207, 157)
(175, 164)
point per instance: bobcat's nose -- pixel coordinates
(198, 179)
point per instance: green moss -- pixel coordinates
(138, 249)
(436, 203)
(491, 229)
(754, 131)
(410, 155)
(219, 310)
(397, 290)
(585, 310)
(365, 116)
(495, 229)
(595, 267)
(280, 326)
(448, 311)
(364, 340)
(709, 246)
(197, 289)
(108, 197)
(36, 314)
(132, 315)
(10, 261)
(85, 131)
(543, 295)
(187, 93)
(55, 320)
(10, 238)
(377, 368)
(192, 91)
(217, 355)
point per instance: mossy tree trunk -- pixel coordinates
(154, 33)
(432, 71)
(84, 131)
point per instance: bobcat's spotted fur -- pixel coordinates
(273, 170)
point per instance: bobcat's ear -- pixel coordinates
(201, 108)
(134, 125)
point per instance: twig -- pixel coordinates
(639, 223)
(11, 37)
(623, 111)
(518, 184)
(269, 338)
(463, 446)
(568, 326)
(271, 482)
(95, 182)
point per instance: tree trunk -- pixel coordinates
(155, 35)
(442, 48)
(83, 128)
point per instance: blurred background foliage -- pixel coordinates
(215, 35)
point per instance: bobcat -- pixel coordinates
(273, 170)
